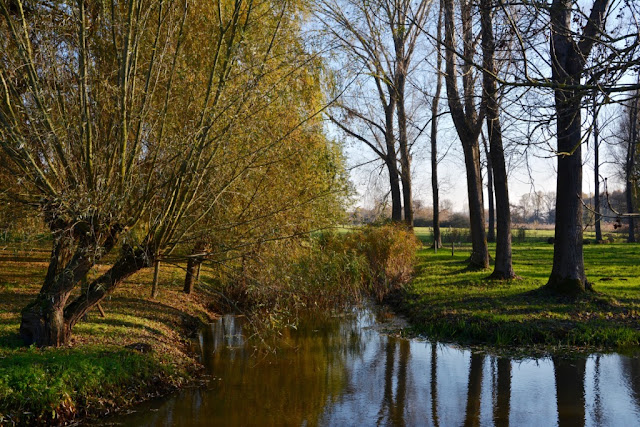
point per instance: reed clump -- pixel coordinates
(329, 270)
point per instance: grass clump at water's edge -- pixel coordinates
(445, 301)
(329, 271)
(98, 372)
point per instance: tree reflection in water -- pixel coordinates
(503, 392)
(339, 371)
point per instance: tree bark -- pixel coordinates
(42, 321)
(405, 159)
(437, 238)
(391, 160)
(631, 156)
(48, 320)
(468, 125)
(131, 261)
(405, 156)
(154, 286)
(567, 63)
(491, 232)
(596, 170)
(479, 258)
(503, 268)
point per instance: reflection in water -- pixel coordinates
(433, 385)
(569, 376)
(503, 394)
(474, 390)
(342, 371)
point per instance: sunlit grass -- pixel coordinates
(97, 372)
(446, 301)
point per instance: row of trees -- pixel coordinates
(536, 65)
(153, 128)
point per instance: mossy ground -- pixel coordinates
(446, 301)
(96, 373)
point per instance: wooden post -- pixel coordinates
(101, 310)
(198, 273)
(452, 247)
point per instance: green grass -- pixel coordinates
(96, 373)
(446, 301)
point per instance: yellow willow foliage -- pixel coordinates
(174, 118)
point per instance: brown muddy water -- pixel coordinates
(343, 371)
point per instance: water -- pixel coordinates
(343, 371)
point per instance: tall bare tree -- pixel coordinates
(467, 119)
(568, 59)
(380, 37)
(596, 168)
(565, 47)
(435, 107)
(632, 146)
(503, 267)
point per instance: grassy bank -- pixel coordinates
(100, 371)
(447, 302)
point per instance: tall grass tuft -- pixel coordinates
(390, 252)
(328, 271)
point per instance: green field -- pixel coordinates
(446, 301)
(520, 234)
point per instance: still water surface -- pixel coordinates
(342, 371)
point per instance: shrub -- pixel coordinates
(522, 234)
(456, 235)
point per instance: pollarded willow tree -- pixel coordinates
(133, 125)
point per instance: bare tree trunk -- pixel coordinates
(596, 169)
(567, 62)
(405, 163)
(631, 155)
(503, 268)
(491, 233)
(130, 262)
(468, 126)
(567, 274)
(193, 264)
(479, 253)
(42, 321)
(405, 156)
(154, 286)
(437, 238)
(392, 163)
(396, 199)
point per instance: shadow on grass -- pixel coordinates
(11, 341)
